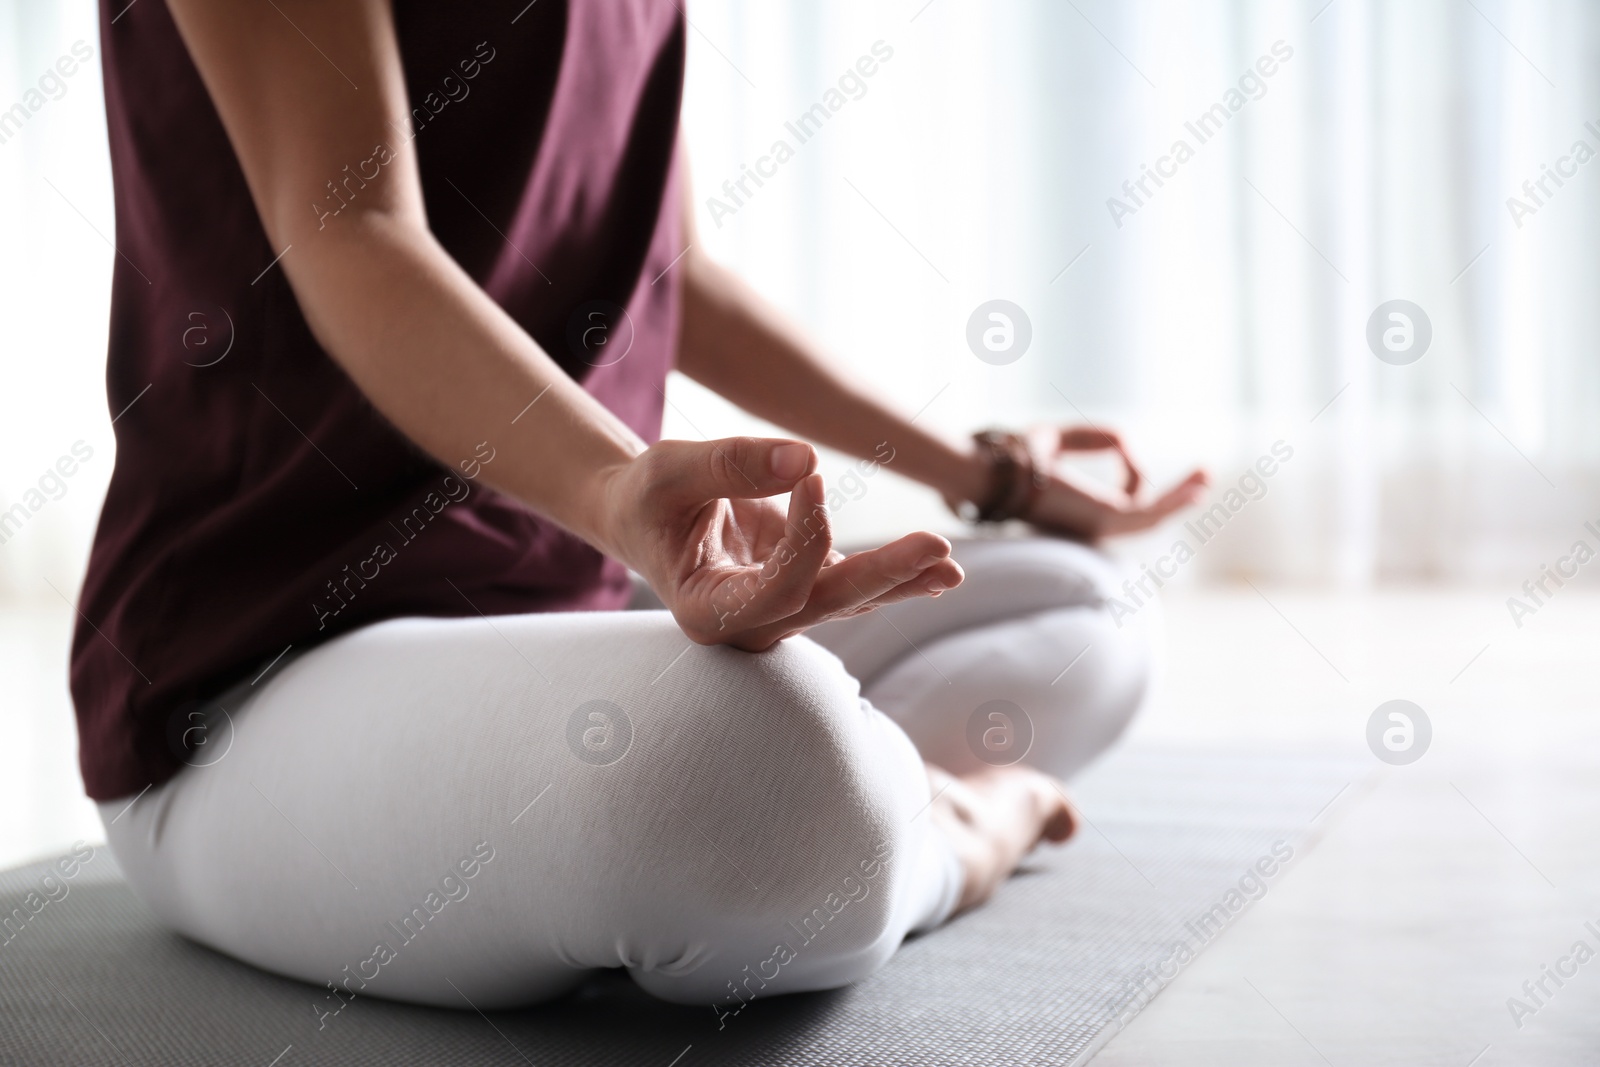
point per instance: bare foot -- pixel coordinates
(996, 817)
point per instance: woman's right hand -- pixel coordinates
(698, 522)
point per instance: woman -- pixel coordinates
(352, 686)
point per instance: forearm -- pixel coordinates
(736, 344)
(451, 369)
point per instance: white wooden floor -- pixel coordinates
(1437, 890)
(1441, 888)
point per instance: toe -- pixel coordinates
(1061, 817)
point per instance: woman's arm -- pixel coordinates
(430, 349)
(739, 346)
(305, 86)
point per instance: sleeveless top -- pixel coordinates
(259, 502)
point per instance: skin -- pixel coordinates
(698, 520)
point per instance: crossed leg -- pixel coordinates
(427, 809)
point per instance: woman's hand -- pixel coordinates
(1075, 506)
(696, 520)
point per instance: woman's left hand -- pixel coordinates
(1076, 506)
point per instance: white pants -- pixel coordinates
(486, 809)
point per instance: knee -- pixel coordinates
(774, 801)
(1076, 587)
(1055, 687)
(1109, 679)
(1076, 676)
(784, 744)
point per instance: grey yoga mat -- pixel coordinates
(1178, 846)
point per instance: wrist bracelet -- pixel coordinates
(1014, 480)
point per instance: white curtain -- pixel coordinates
(56, 225)
(55, 287)
(1229, 310)
(976, 162)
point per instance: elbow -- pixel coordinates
(318, 248)
(366, 188)
(350, 265)
(353, 201)
(331, 220)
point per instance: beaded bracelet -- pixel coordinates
(1015, 481)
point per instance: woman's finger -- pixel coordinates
(845, 595)
(930, 583)
(1135, 476)
(1094, 439)
(1187, 492)
(1086, 439)
(782, 585)
(916, 560)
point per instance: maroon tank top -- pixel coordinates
(259, 502)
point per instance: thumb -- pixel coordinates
(696, 471)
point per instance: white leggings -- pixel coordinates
(487, 809)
